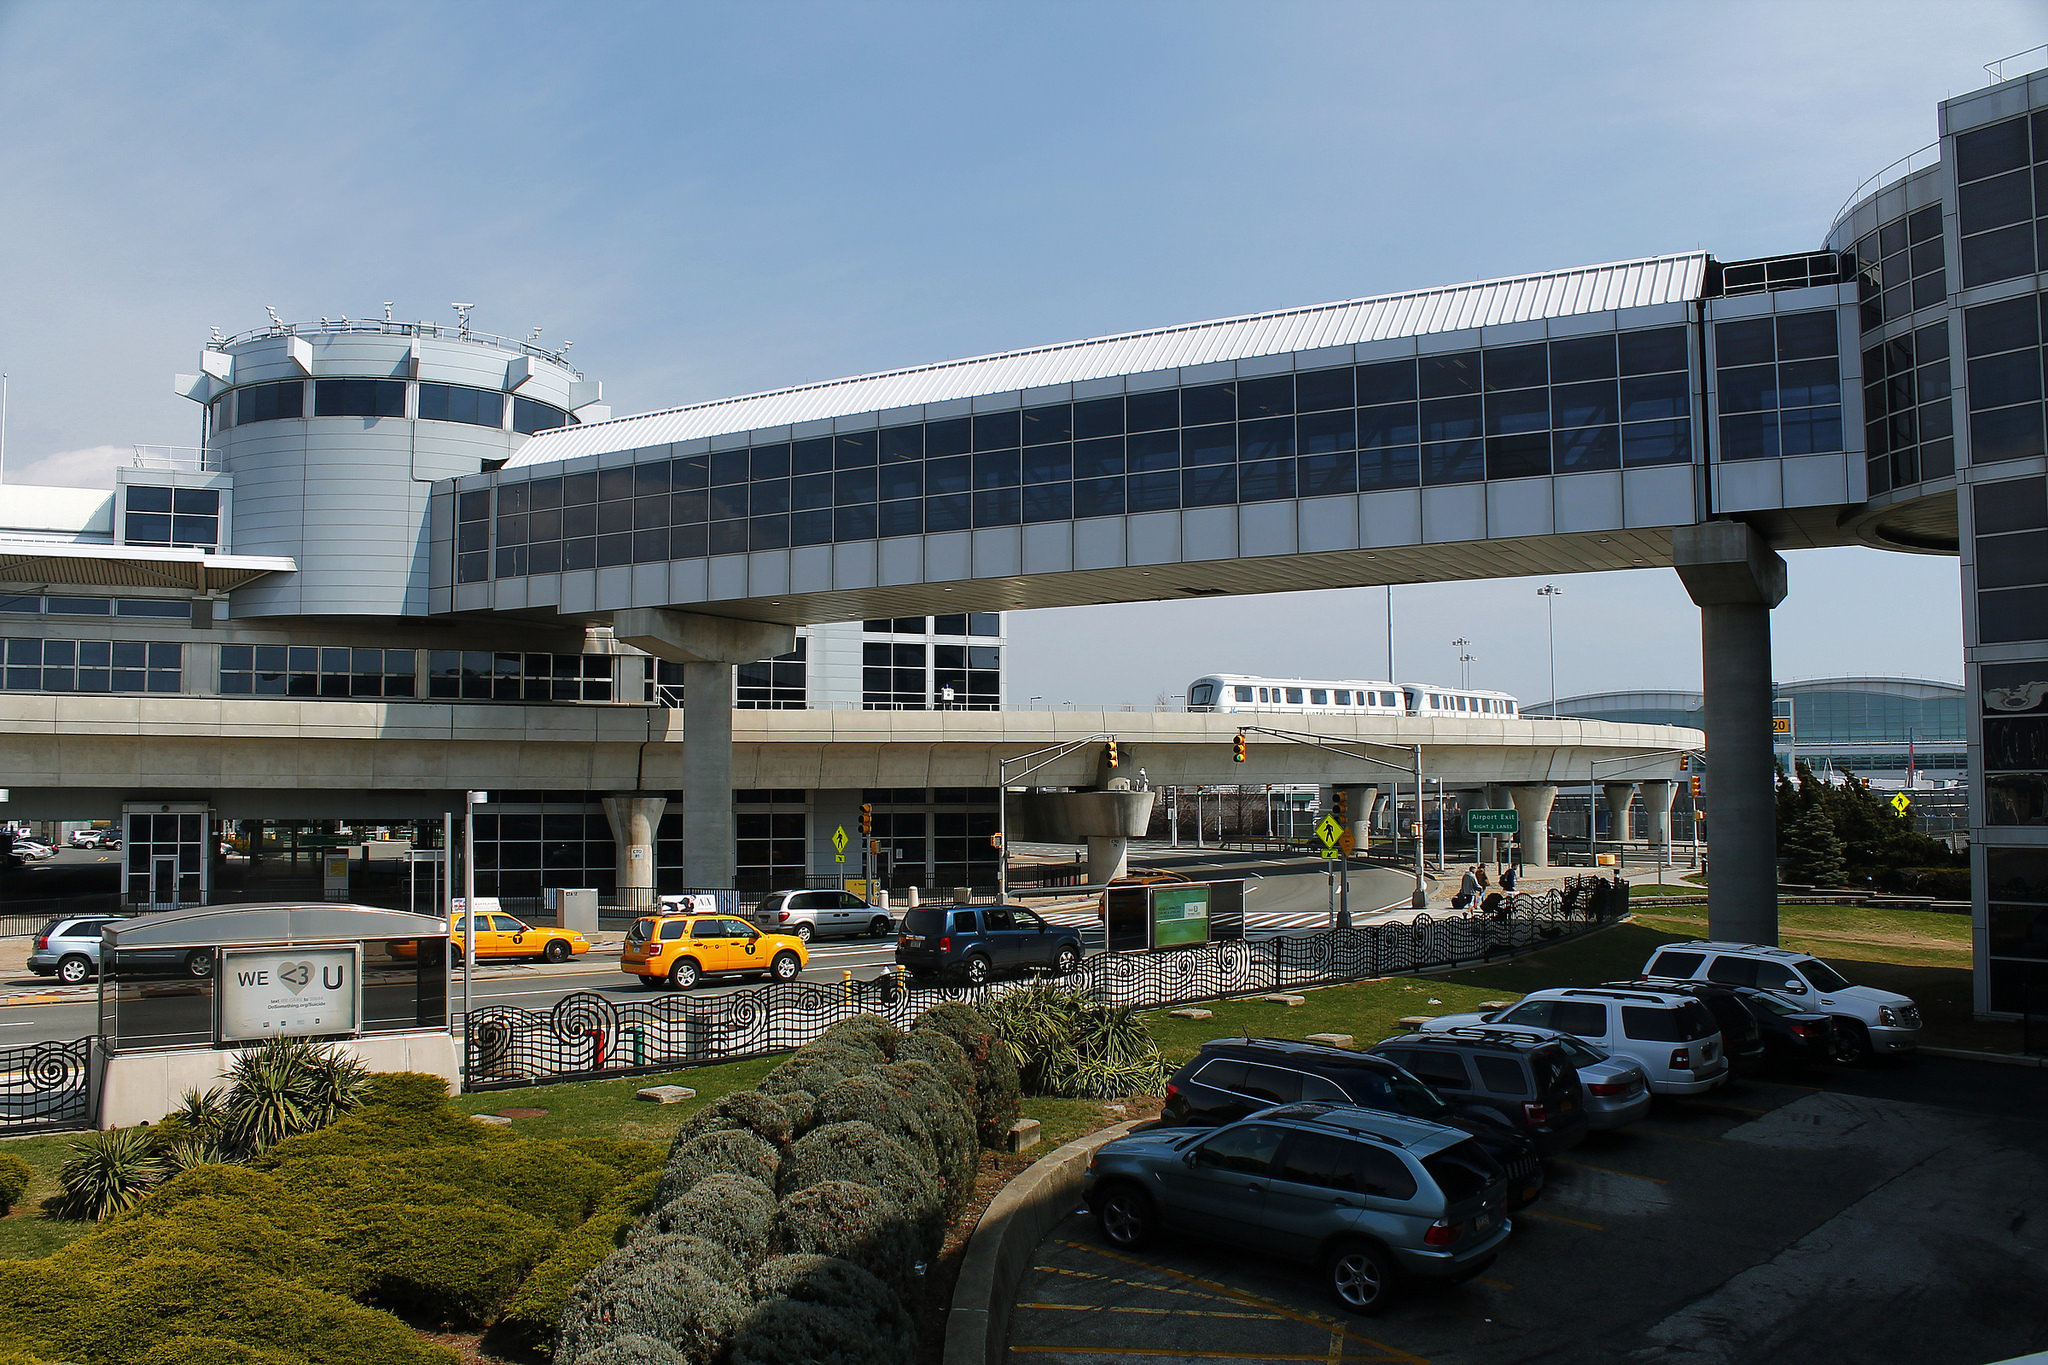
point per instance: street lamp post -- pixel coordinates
(1549, 593)
(1464, 661)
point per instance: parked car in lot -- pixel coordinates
(1233, 1077)
(681, 950)
(1672, 1037)
(1742, 1038)
(980, 942)
(95, 838)
(1615, 1090)
(32, 850)
(1530, 1082)
(1794, 1035)
(1868, 1022)
(820, 914)
(1372, 1198)
(68, 948)
(500, 936)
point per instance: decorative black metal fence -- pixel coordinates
(44, 1086)
(588, 1034)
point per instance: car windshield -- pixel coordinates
(1773, 1004)
(925, 922)
(1413, 1098)
(1821, 976)
(642, 930)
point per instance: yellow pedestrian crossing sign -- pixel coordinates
(1900, 802)
(839, 844)
(1329, 832)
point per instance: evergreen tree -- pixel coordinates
(1813, 850)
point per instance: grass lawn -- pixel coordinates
(27, 1230)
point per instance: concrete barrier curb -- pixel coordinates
(999, 1251)
(1967, 1055)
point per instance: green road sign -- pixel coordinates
(1493, 822)
(1329, 831)
(1330, 853)
(839, 843)
(1180, 916)
(1900, 802)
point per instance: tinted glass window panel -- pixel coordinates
(1151, 450)
(1153, 411)
(1397, 425)
(1048, 501)
(1446, 375)
(1389, 467)
(1655, 443)
(1099, 417)
(1272, 396)
(1390, 381)
(853, 523)
(858, 449)
(1099, 457)
(1099, 498)
(692, 471)
(1586, 448)
(1048, 424)
(1655, 396)
(2001, 380)
(459, 403)
(902, 518)
(2012, 561)
(1810, 431)
(1805, 336)
(902, 443)
(1208, 403)
(997, 507)
(764, 499)
(2001, 255)
(1211, 485)
(154, 498)
(1153, 492)
(1807, 383)
(1445, 419)
(149, 528)
(1510, 413)
(763, 462)
(1988, 151)
(1266, 481)
(613, 484)
(953, 512)
(1749, 342)
(359, 398)
(1653, 351)
(1516, 367)
(1749, 436)
(2005, 434)
(1582, 358)
(726, 502)
(2010, 505)
(954, 436)
(996, 469)
(1209, 445)
(853, 486)
(529, 416)
(1454, 462)
(1891, 238)
(1323, 474)
(1930, 290)
(1322, 390)
(1751, 388)
(805, 528)
(901, 481)
(2005, 326)
(2013, 614)
(1267, 438)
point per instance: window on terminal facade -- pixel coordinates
(1997, 170)
(1908, 418)
(483, 675)
(771, 685)
(317, 671)
(1779, 386)
(967, 677)
(359, 398)
(1900, 268)
(2002, 350)
(157, 515)
(460, 403)
(894, 677)
(529, 416)
(37, 665)
(473, 536)
(269, 402)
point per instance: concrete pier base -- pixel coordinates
(1533, 804)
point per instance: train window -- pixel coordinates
(1511, 708)
(1343, 697)
(1201, 694)
(1294, 696)
(1244, 694)
(1319, 696)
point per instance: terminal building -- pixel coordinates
(387, 511)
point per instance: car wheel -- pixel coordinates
(684, 975)
(1361, 1277)
(804, 932)
(73, 970)
(1124, 1215)
(1066, 960)
(1852, 1042)
(785, 966)
(556, 951)
(976, 970)
(199, 964)
(878, 926)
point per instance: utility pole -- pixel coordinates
(1464, 661)
(1549, 593)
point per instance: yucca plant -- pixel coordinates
(109, 1174)
(1067, 1043)
(186, 1153)
(288, 1086)
(202, 1113)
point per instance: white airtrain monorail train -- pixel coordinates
(1233, 692)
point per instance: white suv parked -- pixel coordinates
(820, 914)
(1867, 1020)
(1672, 1037)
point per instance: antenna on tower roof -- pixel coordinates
(536, 335)
(387, 310)
(462, 313)
(217, 337)
(276, 322)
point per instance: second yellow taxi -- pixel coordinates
(681, 950)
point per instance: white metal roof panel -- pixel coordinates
(1521, 298)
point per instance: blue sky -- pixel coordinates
(715, 199)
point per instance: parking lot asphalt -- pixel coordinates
(1896, 1213)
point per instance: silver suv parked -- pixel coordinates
(820, 914)
(68, 948)
(1867, 1020)
(1672, 1037)
(1368, 1196)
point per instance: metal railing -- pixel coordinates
(1904, 166)
(587, 1034)
(391, 328)
(1996, 70)
(186, 459)
(44, 1086)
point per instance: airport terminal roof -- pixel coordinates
(1520, 298)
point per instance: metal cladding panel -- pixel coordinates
(1627, 284)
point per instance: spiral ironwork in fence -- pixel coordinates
(588, 1034)
(45, 1085)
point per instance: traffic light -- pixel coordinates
(1695, 786)
(875, 847)
(1337, 804)
(995, 841)
(1684, 762)
(867, 819)
(1112, 753)
(1237, 747)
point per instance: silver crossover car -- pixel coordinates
(1615, 1088)
(1371, 1198)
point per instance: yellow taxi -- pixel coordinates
(681, 950)
(500, 936)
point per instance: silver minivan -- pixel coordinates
(820, 914)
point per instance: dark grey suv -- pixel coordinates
(1371, 1197)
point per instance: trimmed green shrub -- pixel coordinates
(997, 1090)
(815, 1070)
(535, 1311)
(14, 1177)
(628, 1160)
(816, 1310)
(946, 1056)
(865, 1032)
(859, 1152)
(561, 1187)
(455, 1260)
(747, 1110)
(404, 1090)
(387, 1128)
(721, 1151)
(109, 1173)
(908, 1102)
(209, 1351)
(856, 1223)
(735, 1211)
(681, 1291)
(800, 1107)
(633, 1349)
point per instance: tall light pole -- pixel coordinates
(1549, 593)
(1464, 661)
(1391, 675)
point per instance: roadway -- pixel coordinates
(1282, 896)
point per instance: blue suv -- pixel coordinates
(980, 942)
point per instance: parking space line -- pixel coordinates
(1683, 1137)
(1607, 1170)
(1157, 1351)
(1156, 1312)
(1127, 1284)
(1559, 1218)
(1393, 1353)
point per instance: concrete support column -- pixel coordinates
(1108, 859)
(1620, 796)
(1736, 579)
(635, 817)
(707, 647)
(1533, 805)
(1657, 810)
